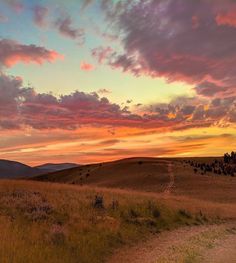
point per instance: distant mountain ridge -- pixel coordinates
(53, 167)
(13, 169)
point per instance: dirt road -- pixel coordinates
(205, 244)
(224, 250)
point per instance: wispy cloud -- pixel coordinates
(40, 14)
(3, 18)
(65, 28)
(104, 91)
(16, 5)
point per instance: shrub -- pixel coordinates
(58, 235)
(185, 213)
(133, 213)
(156, 213)
(98, 202)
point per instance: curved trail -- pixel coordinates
(170, 185)
(198, 244)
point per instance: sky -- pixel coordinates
(97, 80)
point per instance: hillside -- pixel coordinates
(12, 169)
(169, 176)
(42, 222)
(98, 212)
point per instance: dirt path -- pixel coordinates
(170, 185)
(206, 244)
(224, 250)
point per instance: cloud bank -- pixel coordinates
(188, 41)
(22, 107)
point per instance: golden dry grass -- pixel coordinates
(151, 175)
(44, 222)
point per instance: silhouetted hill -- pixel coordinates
(12, 169)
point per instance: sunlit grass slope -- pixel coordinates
(44, 222)
(151, 175)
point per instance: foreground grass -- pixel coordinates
(42, 222)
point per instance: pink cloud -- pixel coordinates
(12, 52)
(176, 39)
(85, 66)
(215, 90)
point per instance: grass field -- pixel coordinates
(56, 220)
(44, 222)
(151, 175)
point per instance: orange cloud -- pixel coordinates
(86, 66)
(171, 115)
(228, 19)
(24, 58)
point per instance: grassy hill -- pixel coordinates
(60, 220)
(151, 175)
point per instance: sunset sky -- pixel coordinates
(96, 80)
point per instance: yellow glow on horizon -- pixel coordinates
(98, 145)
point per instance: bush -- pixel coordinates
(133, 213)
(185, 213)
(156, 213)
(98, 202)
